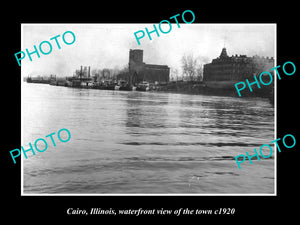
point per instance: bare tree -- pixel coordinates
(174, 74)
(192, 68)
(189, 66)
(199, 72)
(124, 73)
(125, 69)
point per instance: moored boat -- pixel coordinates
(143, 86)
(125, 86)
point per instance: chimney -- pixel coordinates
(80, 72)
(89, 71)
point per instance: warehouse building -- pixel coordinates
(140, 71)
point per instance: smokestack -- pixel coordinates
(80, 71)
(89, 71)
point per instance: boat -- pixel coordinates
(125, 86)
(106, 85)
(143, 86)
(81, 82)
(38, 79)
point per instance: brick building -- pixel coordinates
(140, 71)
(235, 68)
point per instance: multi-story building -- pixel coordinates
(235, 68)
(140, 71)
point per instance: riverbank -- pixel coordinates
(218, 88)
(225, 88)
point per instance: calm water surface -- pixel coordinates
(140, 143)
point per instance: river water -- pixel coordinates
(144, 142)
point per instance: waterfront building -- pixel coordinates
(140, 71)
(235, 68)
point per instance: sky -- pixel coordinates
(107, 45)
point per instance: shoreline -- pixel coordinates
(192, 88)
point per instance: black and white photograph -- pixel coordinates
(146, 111)
(108, 112)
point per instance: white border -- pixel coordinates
(179, 194)
(275, 112)
(22, 130)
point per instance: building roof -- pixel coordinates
(223, 53)
(224, 58)
(154, 66)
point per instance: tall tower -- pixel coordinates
(136, 65)
(136, 55)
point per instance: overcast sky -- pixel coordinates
(107, 45)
